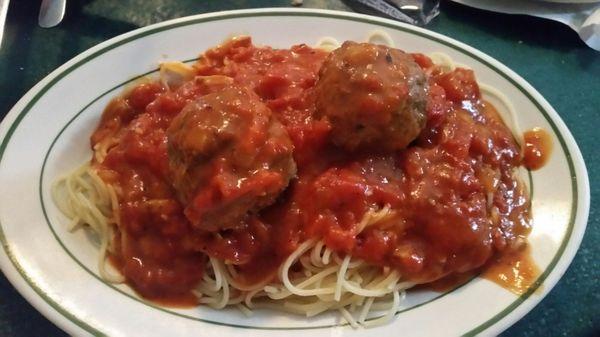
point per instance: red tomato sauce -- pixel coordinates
(455, 202)
(515, 270)
(538, 147)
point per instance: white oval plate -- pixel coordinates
(47, 133)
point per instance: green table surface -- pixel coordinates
(547, 54)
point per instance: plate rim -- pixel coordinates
(579, 179)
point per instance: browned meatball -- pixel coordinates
(228, 156)
(373, 96)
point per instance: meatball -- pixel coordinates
(228, 157)
(373, 96)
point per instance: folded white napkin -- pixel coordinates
(584, 18)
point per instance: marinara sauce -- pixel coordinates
(538, 146)
(455, 202)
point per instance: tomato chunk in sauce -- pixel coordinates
(453, 199)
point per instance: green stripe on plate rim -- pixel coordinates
(341, 16)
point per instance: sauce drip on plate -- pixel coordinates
(538, 146)
(515, 270)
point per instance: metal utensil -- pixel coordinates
(416, 12)
(3, 11)
(51, 13)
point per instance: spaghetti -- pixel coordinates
(319, 272)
